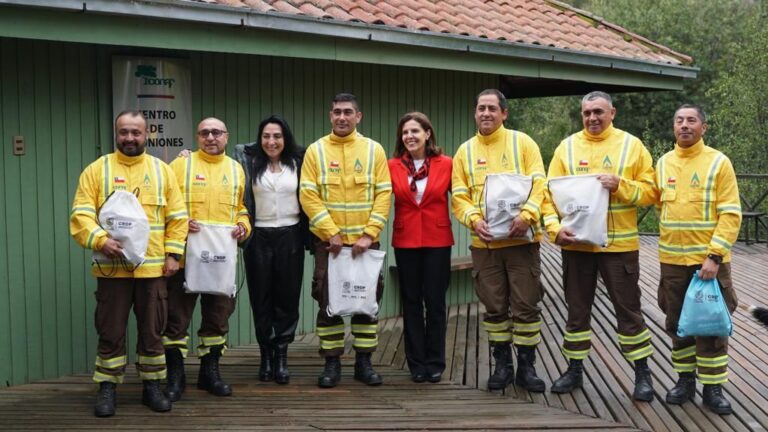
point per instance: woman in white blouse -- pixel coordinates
(274, 254)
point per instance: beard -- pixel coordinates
(131, 148)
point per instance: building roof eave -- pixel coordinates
(214, 14)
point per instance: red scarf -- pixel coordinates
(423, 172)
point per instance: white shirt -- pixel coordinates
(274, 194)
(420, 184)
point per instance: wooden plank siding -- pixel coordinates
(59, 97)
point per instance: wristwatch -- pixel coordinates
(716, 258)
(175, 256)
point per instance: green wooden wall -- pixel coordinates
(58, 96)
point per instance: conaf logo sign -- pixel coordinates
(148, 74)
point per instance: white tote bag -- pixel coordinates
(352, 282)
(211, 261)
(124, 219)
(582, 204)
(505, 196)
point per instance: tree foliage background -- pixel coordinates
(727, 40)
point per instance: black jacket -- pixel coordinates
(245, 154)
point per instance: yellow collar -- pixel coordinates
(335, 139)
(602, 136)
(495, 136)
(124, 159)
(691, 151)
(210, 158)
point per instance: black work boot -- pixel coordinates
(684, 390)
(504, 371)
(209, 377)
(643, 382)
(153, 397)
(715, 401)
(364, 370)
(265, 363)
(177, 379)
(281, 364)
(331, 374)
(526, 372)
(106, 400)
(571, 379)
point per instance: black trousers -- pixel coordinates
(423, 275)
(274, 268)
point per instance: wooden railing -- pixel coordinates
(753, 191)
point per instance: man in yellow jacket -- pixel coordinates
(507, 271)
(120, 288)
(345, 191)
(212, 185)
(699, 220)
(625, 168)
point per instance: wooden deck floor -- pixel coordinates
(609, 378)
(457, 403)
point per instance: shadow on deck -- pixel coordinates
(460, 401)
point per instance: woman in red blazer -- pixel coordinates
(422, 238)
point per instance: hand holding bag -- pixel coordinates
(211, 261)
(582, 204)
(704, 310)
(352, 283)
(504, 197)
(124, 219)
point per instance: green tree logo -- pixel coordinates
(145, 71)
(607, 162)
(695, 180)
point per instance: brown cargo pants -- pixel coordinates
(330, 329)
(215, 311)
(708, 354)
(114, 299)
(620, 271)
(508, 283)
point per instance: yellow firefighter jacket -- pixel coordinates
(503, 151)
(699, 207)
(212, 187)
(612, 152)
(345, 187)
(159, 196)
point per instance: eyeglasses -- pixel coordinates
(215, 132)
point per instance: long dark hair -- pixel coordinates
(431, 145)
(290, 151)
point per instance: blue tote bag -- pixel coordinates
(704, 311)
